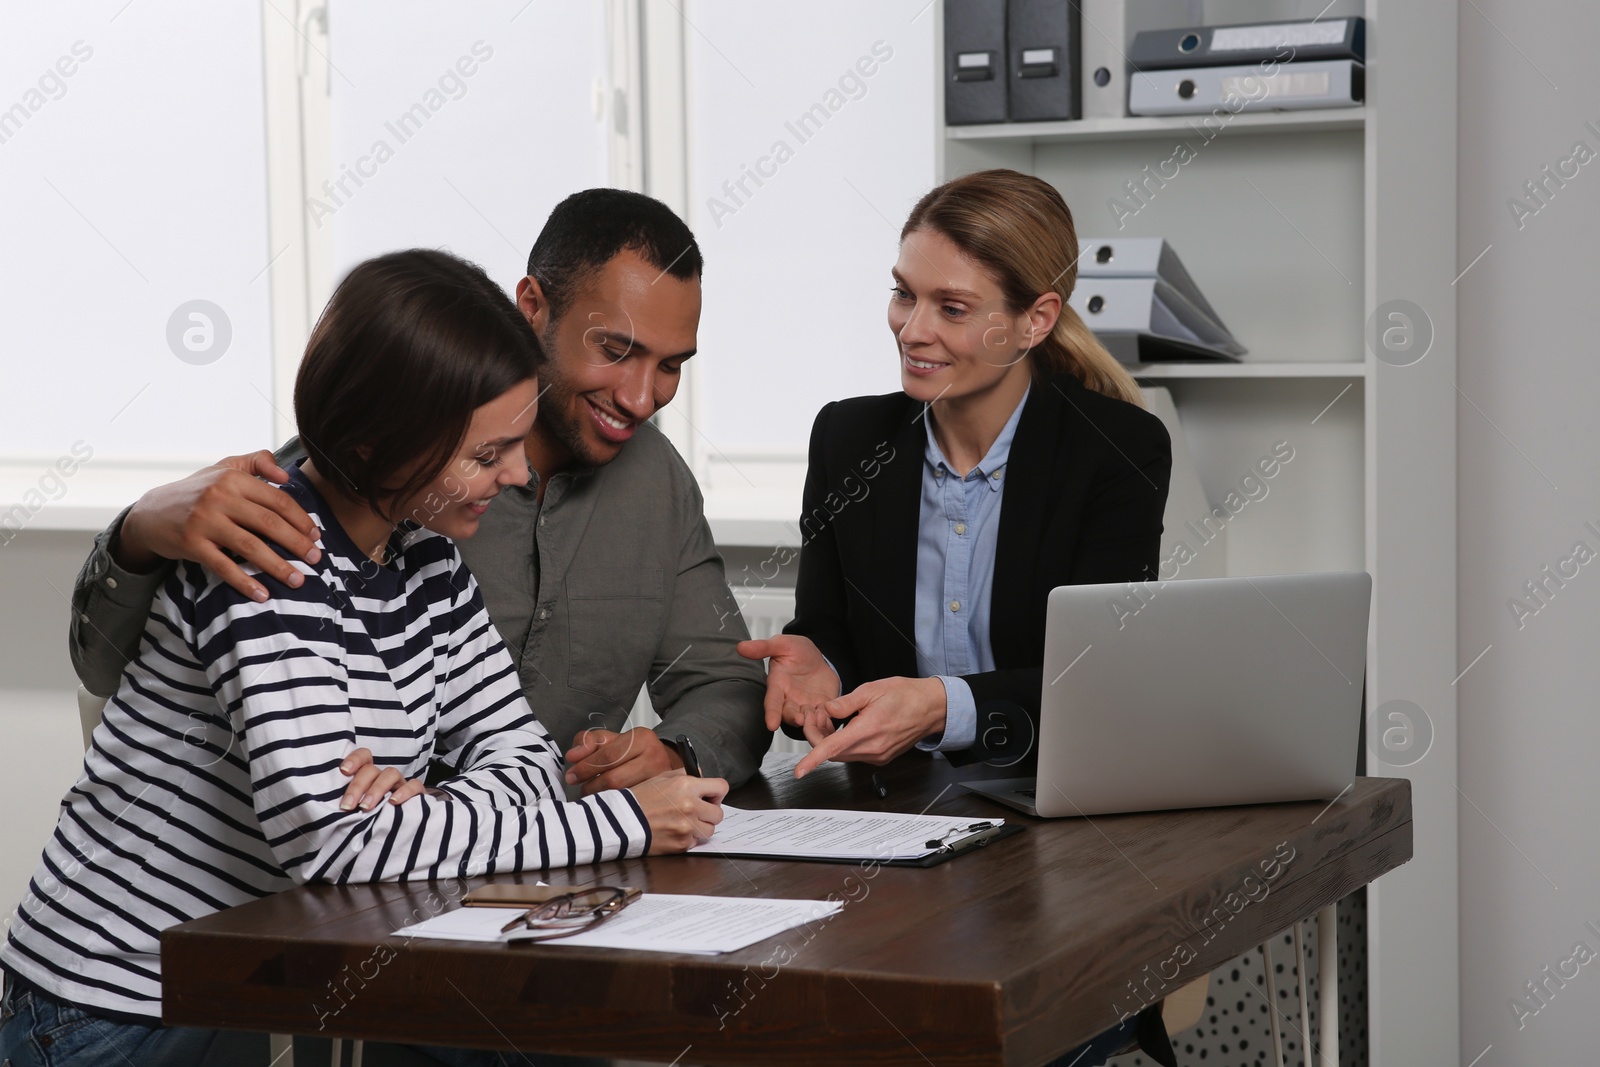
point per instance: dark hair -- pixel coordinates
(409, 346)
(588, 229)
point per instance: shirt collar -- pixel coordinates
(992, 466)
(530, 488)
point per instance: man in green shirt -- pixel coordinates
(601, 574)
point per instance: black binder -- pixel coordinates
(1285, 41)
(1043, 39)
(974, 61)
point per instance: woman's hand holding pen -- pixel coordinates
(797, 676)
(682, 810)
(891, 715)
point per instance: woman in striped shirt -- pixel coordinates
(215, 776)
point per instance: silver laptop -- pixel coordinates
(1197, 693)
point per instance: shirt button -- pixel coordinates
(955, 605)
(111, 583)
(995, 475)
(961, 528)
(541, 520)
(544, 613)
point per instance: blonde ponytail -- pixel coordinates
(1072, 348)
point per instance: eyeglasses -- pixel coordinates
(572, 913)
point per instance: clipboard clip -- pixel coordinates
(974, 835)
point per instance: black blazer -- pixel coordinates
(1086, 486)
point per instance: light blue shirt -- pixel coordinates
(956, 537)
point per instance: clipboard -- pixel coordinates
(949, 851)
(960, 847)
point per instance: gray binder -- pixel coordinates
(974, 61)
(1043, 45)
(1144, 320)
(1140, 301)
(1230, 90)
(1142, 257)
(1296, 41)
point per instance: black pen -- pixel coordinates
(691, 762)
(878, 786)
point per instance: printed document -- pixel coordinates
(819, 833)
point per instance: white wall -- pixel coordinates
(132, 180)
(41, 748)
(511, 126)
(1529, 445)
(797, 261)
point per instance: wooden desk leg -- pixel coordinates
(1328, 980)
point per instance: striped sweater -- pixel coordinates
(213, 778)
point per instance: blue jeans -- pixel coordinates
(40, 1031)
(37, 1030)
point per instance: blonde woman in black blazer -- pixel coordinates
(989, 352)
(1018, 457)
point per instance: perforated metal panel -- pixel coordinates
(1235, 1030)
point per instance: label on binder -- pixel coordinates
(1277, 35)
(1311, 83)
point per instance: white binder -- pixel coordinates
(1108, 29)
(1252, 87)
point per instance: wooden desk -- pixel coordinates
(1010, 955)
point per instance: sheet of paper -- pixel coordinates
(463, 924)
(819, 833)
(665, 922)
(656, 922)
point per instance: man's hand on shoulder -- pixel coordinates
(605, 759)
(221, 509)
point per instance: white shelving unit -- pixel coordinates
(1144, 127)
(1181, 371)
(1299, 227)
